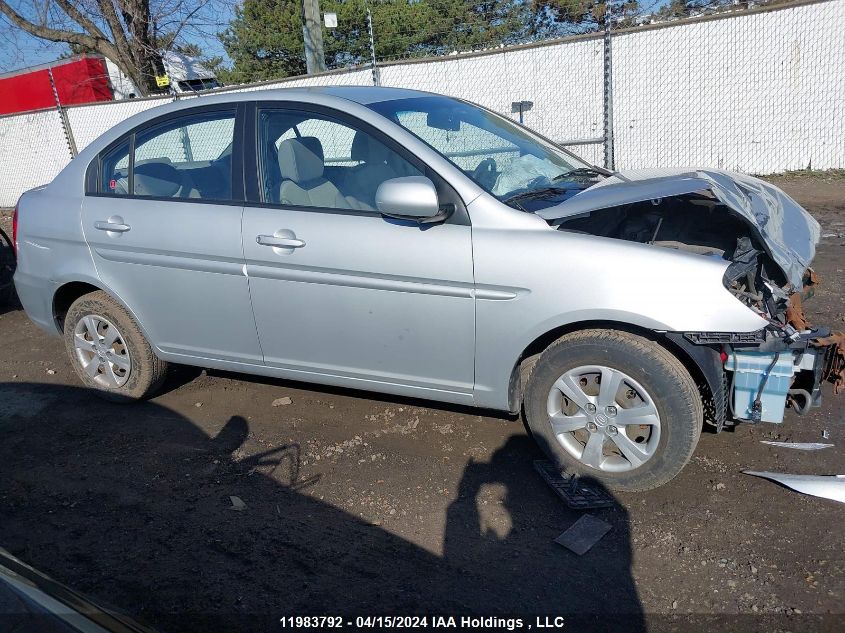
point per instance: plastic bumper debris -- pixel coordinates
(825, 486)
(800, 446)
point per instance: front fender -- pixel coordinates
(568, 278)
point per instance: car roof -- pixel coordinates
(370, 94)
(363, 95)
(338, 97)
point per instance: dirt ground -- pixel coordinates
(356, 503)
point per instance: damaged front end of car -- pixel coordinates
(768, 241)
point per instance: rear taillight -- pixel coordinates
(15, 230)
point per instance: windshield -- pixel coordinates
(518, 167)
(193, 85)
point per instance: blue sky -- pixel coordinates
(20, 50)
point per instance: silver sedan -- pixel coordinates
(419, 245)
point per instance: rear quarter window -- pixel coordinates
(114, 172)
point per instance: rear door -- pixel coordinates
(356, 298)
(163, 222)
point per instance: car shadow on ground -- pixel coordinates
(132, 505)
(10, 304)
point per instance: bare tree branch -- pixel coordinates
(80, 19)
(45, 32)
(184, 22)
(125, 31)
(115, 26)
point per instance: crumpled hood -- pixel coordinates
(788, 232)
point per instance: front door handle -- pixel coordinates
(279, 242)
(113, 225)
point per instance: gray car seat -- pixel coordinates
(376, 166)
(301, 165)
(159, 178)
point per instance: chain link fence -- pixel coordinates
(758, 91)
(707, 83)
(33, 149)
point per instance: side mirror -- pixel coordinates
(409, 198)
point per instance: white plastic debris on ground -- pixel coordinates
(801, 446)
(825, 486)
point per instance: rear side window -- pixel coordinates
(185, 158)
(188, 158)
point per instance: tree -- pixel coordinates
(264, 40)
(122, 30)
(561, 17)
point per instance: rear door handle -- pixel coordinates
(279, 242)
(116, 227)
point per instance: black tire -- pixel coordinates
(147, 371)
(661, 374)
(6, 294)
(7, 268)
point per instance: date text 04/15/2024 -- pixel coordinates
(422, 622)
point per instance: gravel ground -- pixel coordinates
(362, 503)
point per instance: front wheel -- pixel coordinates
(614, 406)
(108, 351)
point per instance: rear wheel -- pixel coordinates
(615, 406)
(108, 350)
(7, 268)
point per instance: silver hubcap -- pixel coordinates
(604, 418)
(102, 352)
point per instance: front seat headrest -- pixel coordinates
(301, 159)
(365, 149)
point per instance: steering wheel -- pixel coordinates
(485, 173)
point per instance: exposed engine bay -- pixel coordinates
(760, 372)
(700, 225)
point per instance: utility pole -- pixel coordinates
(312, 35)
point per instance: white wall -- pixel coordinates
(89, 122)
(564, 81)
(762, 92)
(33, 149)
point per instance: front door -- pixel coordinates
(164, 229)
(341, 294)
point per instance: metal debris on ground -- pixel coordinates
(825, 486)
(237, 504)
(801, 446)
(825, 435)
(834, 371)
(576, 493)
(583, 534)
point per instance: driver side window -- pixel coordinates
(311, 160)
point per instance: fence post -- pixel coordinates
(608, 87)
(376, 81)
(71, 143)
